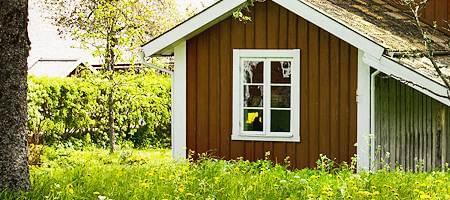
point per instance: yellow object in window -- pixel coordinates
(251, 116)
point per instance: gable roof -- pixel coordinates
(386, 35)
(164, 44)
(54, 67)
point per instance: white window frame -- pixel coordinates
(268, 55)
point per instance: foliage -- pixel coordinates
(242, 11)
(113, 30)
(151, 174)
(120, 26)
(73, 111)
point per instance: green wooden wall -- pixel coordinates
(411, 129)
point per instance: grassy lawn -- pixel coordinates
(151, 174)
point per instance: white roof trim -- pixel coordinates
(196, 24)
(308, 12)
(415, 79)
(374, 52)
(165, 44)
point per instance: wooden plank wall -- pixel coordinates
(436, 11)
(411, 126)
(328, 88)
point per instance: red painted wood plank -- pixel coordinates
(352, 100)
(214, 90)
(334, 98)
(225, 88)
(203, 93)
(314, 91)
(324, 93)
(344, 105)
(191, 95)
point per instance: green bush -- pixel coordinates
(73, 111)
(151, 174)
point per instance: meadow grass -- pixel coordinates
(151, 174)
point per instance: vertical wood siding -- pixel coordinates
(436, 11)
(328, 88)
(411, 126)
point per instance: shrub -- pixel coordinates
(73, 111)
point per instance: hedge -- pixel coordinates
(73, 111)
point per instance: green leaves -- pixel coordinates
(152, 174)
(121, 26)
(66, 110)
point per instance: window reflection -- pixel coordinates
(253, 120)
(253, 71)
(281, 72)
(253, 96)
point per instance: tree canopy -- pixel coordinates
(115, 27)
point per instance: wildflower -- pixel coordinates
(101, 198)
(70, 190)
(425, 196)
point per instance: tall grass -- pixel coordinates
(151, 174)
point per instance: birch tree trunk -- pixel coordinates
(14, 50)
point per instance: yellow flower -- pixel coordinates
(424, 196)
(69, 188)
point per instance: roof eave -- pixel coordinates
(164, 45)
(410, 77)
(333, 26)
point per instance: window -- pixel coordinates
(266, 95)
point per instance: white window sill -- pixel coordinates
(265, 138)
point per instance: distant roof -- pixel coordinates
(54, 67)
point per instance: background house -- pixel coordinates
(58, 67)
(49, 50)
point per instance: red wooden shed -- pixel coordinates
(304, 78)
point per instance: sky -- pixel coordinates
(45, 42)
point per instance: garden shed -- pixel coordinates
(304, 78)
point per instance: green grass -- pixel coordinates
(151, 174)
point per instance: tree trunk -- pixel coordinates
(112, 137)
(110, 67)
(14, 48)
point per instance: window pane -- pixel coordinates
(253, 120)
(253, 71)
(281, 97)
(281, 71)
(253, 96)
(280, 121)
